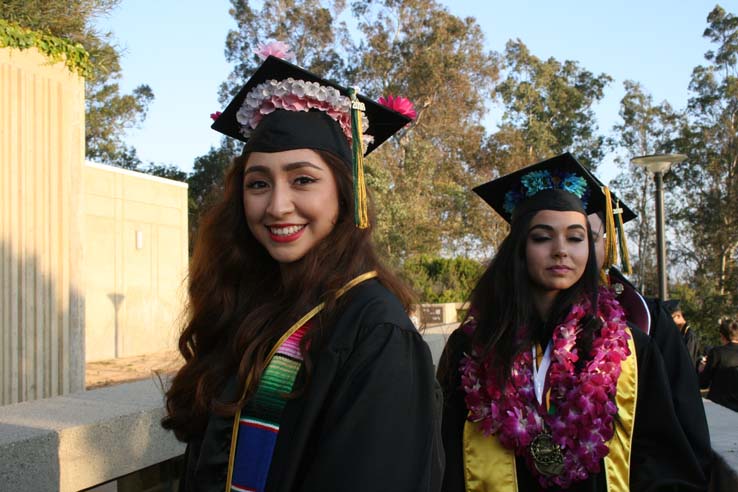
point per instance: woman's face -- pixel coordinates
(557, 249)
(291, 201)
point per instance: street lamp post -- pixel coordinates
(659, 165)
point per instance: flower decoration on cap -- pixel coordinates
(399, 104)
(537, 181)
(275, 48)
(215, 116)
(296, 95)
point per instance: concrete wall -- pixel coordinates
(81, 440)
(135, 262)
(41, 297)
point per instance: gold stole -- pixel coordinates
(490, 467)
(298, 324)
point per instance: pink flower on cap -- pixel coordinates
(399, 104)
(215, 116)
(275, 48)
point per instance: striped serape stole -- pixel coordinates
(259, 420)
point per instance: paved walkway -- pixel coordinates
(126, 369)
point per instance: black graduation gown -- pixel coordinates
(684, 383)
(721, 375)
(680, 372)
(661, 457)
(369, 421)
(692, 343)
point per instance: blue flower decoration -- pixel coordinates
(574, 184)
(536, 181)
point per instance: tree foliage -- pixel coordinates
(438, 279)
(422, 178)
(708, 185)
(548, 108)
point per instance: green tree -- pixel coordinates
(417, 49)
(108, 112)
(548, 108)
(438, 279)
(309, 27)
(709, 184)
(645, 128)
(205, 181)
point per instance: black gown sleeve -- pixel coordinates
(662, 457)
(378, 430)
(683, 382)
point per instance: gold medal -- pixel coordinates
(547, 456)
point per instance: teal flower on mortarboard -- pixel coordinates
(536, 181)
(576, 185)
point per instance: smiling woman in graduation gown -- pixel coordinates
(302, 369)
(363, 424)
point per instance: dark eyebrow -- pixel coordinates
(287, 167)
(549, 228)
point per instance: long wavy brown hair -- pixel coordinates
(240, 303)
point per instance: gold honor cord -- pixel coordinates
(361, 215)
(611, 247)
(624, 255)
(298, 324)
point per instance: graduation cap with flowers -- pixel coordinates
(284, 107)
(559, 183)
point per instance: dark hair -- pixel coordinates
(729, 329)
(239, 303)
(502, 303)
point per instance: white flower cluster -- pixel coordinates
(295, 95)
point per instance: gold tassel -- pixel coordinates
(624, 255)
(361, 215)
(611, 251)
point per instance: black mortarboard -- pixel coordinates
(558, 183)
(672, 306)
(292, 128)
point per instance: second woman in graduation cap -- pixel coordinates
(546, 386)
(303, 371)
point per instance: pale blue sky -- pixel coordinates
(176, 46)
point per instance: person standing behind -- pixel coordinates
(651, 317)
(720, 373)
(691, 341)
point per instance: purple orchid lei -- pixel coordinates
(582, 408)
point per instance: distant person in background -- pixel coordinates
(720, 372)
(691, 341)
